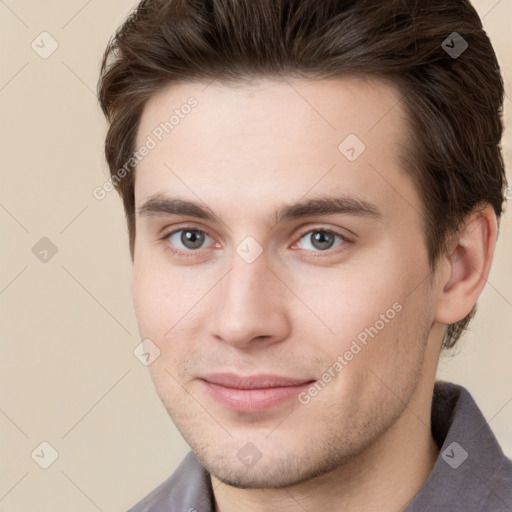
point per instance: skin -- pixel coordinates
(364, 441)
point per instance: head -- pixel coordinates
(334, 166)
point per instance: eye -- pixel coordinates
(321, 240)
(188, 239)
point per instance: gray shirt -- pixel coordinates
(471, 474)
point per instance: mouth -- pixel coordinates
(254, 393)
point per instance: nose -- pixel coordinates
(250, 306)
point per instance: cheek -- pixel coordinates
(158, 308)
(148, 299)
(366, 290)
(169, 306)
(351, 302)
(373, 318)
(161, 296)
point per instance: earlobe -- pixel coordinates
(468, 264)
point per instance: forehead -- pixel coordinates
(270, 140)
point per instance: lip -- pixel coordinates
(253, 393)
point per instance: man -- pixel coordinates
(312, 192)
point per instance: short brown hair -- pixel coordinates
(453, 102)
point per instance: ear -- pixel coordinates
(466, 266)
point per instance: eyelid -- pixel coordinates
(333, 251)
(304, 231)
(167, 233)
(325, 229)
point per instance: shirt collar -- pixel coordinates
(471, 474)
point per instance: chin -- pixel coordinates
(278, 473)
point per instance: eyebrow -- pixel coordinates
(345, 205)
(160, 204)
(165, 205)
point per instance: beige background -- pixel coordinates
(69, 376)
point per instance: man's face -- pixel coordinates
(253, 303)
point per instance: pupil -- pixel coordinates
(192, 239)
(322, 240)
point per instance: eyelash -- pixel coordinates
(192, 252)
(187, 254)
(329, 252)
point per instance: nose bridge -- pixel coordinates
(247, 305)
(246, 284)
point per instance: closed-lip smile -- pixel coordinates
(252, 393)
